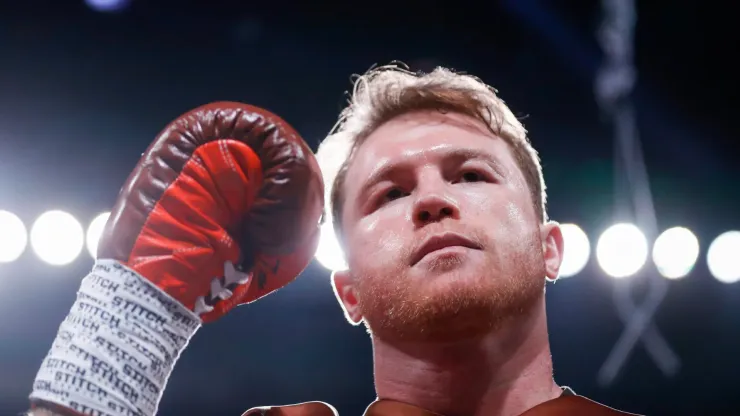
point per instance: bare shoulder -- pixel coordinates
(574, 406)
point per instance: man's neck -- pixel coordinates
(503, 373)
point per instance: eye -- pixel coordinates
(389, 196)
(385, 196)
(393, 194)
(471, 176)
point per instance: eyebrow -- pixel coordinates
(455, 155)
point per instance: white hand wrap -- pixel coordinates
(117, 347)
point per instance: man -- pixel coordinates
(438, 199)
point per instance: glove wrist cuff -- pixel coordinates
(114, 352)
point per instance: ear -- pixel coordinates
(552, 249)
(346, 293)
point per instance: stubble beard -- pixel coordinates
(468, 303)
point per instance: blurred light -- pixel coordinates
(622, 250)
(577, 250)
(675, 252)
(57, 237)
(13, 237)
(329, 252)
(723, 257)
(107, 5)
(94, 232)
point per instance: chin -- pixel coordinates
(457, 285)
(438, 328)
(456, 264)
(455, 305)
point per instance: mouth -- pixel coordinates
(441, 241)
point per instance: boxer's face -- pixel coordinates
(426, 176)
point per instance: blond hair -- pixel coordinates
(386, 92)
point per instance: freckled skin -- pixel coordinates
(462, 292)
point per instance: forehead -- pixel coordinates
(422, 137)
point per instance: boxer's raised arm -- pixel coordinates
(222, 209)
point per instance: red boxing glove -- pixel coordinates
(225, 184)
(222, 209)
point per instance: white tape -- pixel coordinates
(117, 347)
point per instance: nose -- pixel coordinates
(433, 207)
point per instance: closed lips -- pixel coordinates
(440, 241)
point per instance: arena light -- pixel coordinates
(57, 237)
(675, 252)
(577, 250)
(622, 250)
(723, 255)
(94, 231)
(329, 252)
(107, 5)
(13, 237)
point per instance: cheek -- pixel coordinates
(379, 236)
(493, 205)
(515, 215)
(502, 213)
(522, 233)
(484, 201)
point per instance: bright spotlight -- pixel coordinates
(57, 237)
(94, 231)
(329, 252)
(722, 257)
(622, 250)
(577, 250)
(675, 252)
(107, 5)
(13, 237)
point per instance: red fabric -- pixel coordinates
(191, 231)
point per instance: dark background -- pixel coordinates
(82, 93)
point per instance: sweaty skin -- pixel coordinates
(462, 330)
